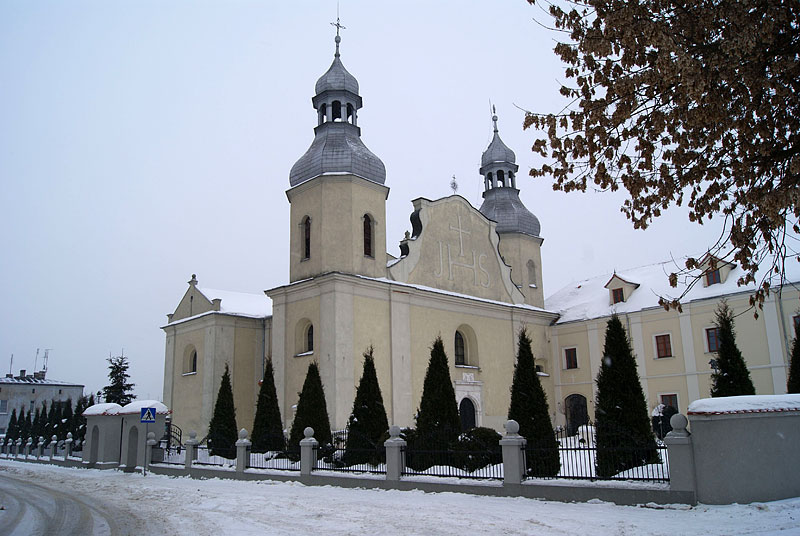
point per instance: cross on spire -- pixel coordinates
(338, 27)
(494, 118)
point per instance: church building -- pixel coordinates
(471, 276)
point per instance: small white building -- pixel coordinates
(29, 391)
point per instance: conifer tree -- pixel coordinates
(79, 422)
(67, 420)
(731, 377)
(12, 432)
(222, 431)
(51, 424)
(25, 425)
(793, 384)
(437, 420)
(529, 408)
(267, 425)
(368, 423)
(623, 435)
(119, 391)
(311, 411)
(39, 417)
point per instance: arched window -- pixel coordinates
(501, 179)
(323, 110)
(306, 251)
(310, 338)
(350, 116)
(511, 182)
(337, 111)
(367, 235)
(193, 361)
(190, 359)
(491, 181)
(461, 356)
(531, 273)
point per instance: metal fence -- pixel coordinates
(219, 457)
(424, 458)
(351, 453)
(273, 452)
(617, 458)
(171, 455)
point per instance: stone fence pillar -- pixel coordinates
(26, 450)
(18, 448)
(53, 446)
(395, 454)
(68, 446)
(242, 451)
(513, 445)
(681, 456)
(148, 449)
(40, 448)
(190, 451)
(308, 457)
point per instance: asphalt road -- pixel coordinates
(28, 508)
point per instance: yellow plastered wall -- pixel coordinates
(297, 366)
(371, 319)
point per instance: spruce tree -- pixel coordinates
(368, 423)
(119, 391)
(311, 411)
(529, 408)
(731, 377)
(222, 430)
(12, 432)
(793, 384)
(437, 420)
(624, 438)
(79, 422)
(37, 424)
(267, 424)
(67, 419)
(25, 425)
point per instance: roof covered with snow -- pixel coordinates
(745, 404)
(107, 408)
(37, 381)
(239, 303)
(590, 298)
(136, 406)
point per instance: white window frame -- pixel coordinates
(655, 346)
(3, 410)
(564, 354)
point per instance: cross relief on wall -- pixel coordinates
(480, 276)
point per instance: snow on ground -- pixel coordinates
(746, 404)
(214, 507)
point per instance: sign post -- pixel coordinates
(147, 416)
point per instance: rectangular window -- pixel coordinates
(617, 295)
(3, 406)
(32, 405)
(712, 338)
(712, 277)
(571, 357)
(670, 400)
(2, 431)
(663, 346)
(796, 322)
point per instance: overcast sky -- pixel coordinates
(142, 142)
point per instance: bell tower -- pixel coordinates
(337, 192)
(519, 229)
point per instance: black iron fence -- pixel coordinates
(351, 452)
(217, 456)
(273, 453)
(463, 459)
(617, 457)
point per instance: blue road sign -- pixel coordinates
(148, 415)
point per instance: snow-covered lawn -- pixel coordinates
(214, 507)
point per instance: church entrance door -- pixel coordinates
(466, 409)
(577, 414)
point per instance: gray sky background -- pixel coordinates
(141, 142)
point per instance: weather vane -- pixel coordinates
(454, 185)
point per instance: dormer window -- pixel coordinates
(617, 295)
(712, 277)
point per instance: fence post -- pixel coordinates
(513, 446)
(53, 446)
(395, 454)
(40, 447)
(68, 446)
(242, 451)
(307, 454)
(26, 450)
(681, 455)
(148, 450)
(190, 451)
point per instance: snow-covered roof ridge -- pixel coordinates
(588, 298)
(136, 406)
(106, 408)
(239, 302)
(37, 381)
(728, 405)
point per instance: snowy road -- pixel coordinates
(29, 508)
(163, 505)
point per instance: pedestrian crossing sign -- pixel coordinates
(148, 415)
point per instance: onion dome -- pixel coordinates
(337, 147)
(501, 197)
